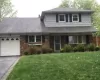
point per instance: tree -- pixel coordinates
(85, 4)
(6, 9)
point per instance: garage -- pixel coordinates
(9, 46)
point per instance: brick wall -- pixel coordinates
(96, 41)
(25, 46)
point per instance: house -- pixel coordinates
(54, 28)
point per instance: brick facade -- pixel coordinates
(24, 45)
(96, 41)
(49, 42)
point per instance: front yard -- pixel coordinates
(61, 66)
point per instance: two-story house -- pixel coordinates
(54, 28)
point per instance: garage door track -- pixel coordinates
(5, 64)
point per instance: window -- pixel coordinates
(75, 18)
(61, 17)
(36, 38)
(77, 39)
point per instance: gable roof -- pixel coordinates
(66, 10)
(34, 25)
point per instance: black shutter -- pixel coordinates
(43, 38)
(80, 17)
(67, 40)
(70, 17)
(52, 42)
(87, 39)
(26, 38)
(66, 17)
(56, 17)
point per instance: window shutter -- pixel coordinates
(43, 38)
(66, 17)
(67, 40)
(70, 17)
(87, 39)
(79, 17)
(26, 38)
(56, 17)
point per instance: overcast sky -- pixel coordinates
(32, 8)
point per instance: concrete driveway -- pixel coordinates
(5, 64)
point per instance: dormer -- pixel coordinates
(66, 17)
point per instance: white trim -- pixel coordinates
(59, 43)
(59, 18)
(77, 17)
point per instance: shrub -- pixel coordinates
(97, 48)
(91, 47)
(67, 48)
(32, 50)
(38, 50)
(26, 53)
(62, 50)
(80, 47)
(75, 49)
(46, 49)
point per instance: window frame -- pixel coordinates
(59, 18)
(77, 42)
(34, 39)
(77, 18)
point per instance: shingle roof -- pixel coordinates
(66, 10)
(34, 25)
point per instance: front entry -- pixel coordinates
(57, 43)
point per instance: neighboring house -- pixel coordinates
(54, 28)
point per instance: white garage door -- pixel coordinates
(10, 46)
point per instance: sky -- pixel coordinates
(33, 8)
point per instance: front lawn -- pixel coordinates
(62, 66)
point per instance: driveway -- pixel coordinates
(5, 64)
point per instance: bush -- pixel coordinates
(80, 47)
(91, 47)
(75, 49)
(32, 50)
(97, 48)
(46, 49)
(26, 53)
(62, 50)
(67, 48)
(38, 50)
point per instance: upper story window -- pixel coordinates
(35, 38)
(75, 17)
(61, 18)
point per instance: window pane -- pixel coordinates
(79, 39)
(71, 39)
(75, 17)
(75, 39)
(31, 39)
(84, 39)
(61, 17)
(38, 38)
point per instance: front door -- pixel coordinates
(57, 43)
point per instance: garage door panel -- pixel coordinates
(10, 47)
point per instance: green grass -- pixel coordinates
(62, 66)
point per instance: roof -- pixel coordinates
(20, 25)
(34, 25)
(66, 10)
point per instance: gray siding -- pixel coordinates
(50, 21)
